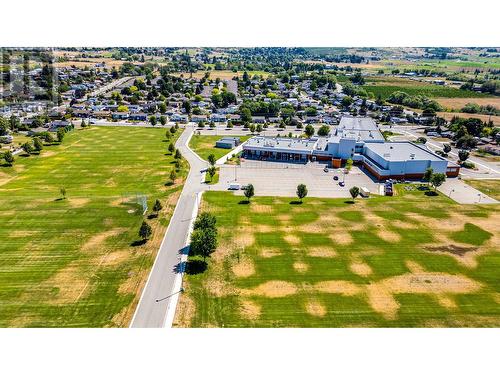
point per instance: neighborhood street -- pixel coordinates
(162, 287)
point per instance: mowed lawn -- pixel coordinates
(204, 145)
(76, 262)
(405, 261)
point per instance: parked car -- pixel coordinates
(234, 187)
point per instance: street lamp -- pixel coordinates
(451, 191)
(479, 195)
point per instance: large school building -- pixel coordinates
(359, 139)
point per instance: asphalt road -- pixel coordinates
(161, 291)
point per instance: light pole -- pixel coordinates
(451, 191)
(479, 195)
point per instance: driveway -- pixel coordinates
(156, 307)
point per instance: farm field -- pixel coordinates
(459, 103)
(77, 262)
(385, 86)
(488, 187)
(406, 261)
(204, 145)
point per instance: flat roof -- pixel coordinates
(281, 143)
(402, 151)
(359, 128)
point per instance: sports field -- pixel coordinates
(410, 260)
(204, 145)
(77, 262)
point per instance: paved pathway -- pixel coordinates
(156, 307)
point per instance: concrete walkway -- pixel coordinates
(156, 307)
(462, 193)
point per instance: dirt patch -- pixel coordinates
(99, 239)
(300, 267)
(315, 308)
(341, 238)
(250, 310)
(446, 301)
(292, 239)
(404, 224)
(321, 252)
(218, 288)
(360, 268)
(459, 103)
(272, 289)
(345, 288)
(186, 309)
(388, 236)
(47, 154)
(263, 228)
(78, 202)
(244, 268)
(382, 301)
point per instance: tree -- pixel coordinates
(152, 120)
(83, 124)
(38, 145)
(309, 130)
(211, 159)
(8, 157)
(171, 148)
(187, 106)
(354, 191)
(211, 172)
(48, 138)
(157, 206)
(203, 242)
(172, 176)
(60, 135)
(446, 148)
(145, 231)
(173, 129)
(28, 148)
(348, 164)
(205, 220)
(324, 130)
(163, 120)
(301, 191)
(428, 175)
(437, 179)
(177, 154)
(463, 155)
(422, 140)
(168, 135)
(249, 192)
(63, 192)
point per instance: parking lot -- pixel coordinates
(281, 179)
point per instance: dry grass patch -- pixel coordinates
(261, 208)
(388, 235)
(300, 267)
(292, 239)
(341, 237)
(272, 289)
(321, 252)
(99, 239)
(315, 308)
(244, 268)
(71, 285)
(343, 287)
(360, 268)
(185, 311)
(250, 310)
(78, 202)
(114, 258)
(269, 252)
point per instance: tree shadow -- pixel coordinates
(152, 216)
(58, 199)
(423, 188)
(349, 202)
(184, 250)
(431, 193)
(138, 243)
(195, 267)
(244, 202)
(296, 202)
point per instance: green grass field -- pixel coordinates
(385, 86)
(204, 145)
(75, 262)
(405, 261)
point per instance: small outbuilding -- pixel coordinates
(228, 142)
